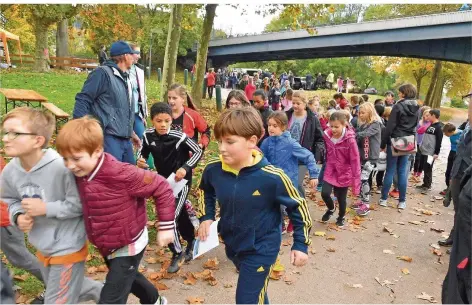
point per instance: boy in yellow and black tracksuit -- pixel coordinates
(250, 222)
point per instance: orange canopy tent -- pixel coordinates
(4, 36)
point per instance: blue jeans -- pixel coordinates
(395, 165)
(139, 127)
(120, 148)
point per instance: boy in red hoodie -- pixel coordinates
(113, 196)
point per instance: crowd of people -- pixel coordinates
(94, 187)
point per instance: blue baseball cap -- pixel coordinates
(120, 47)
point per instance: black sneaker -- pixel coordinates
(176, 260)
(328, 215)
(189, 251)
(39, 299)
(420, 187)
(425, 190)
(446, 242)
(340, 222)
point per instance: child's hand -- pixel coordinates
(142, 163)
(204, 229)
(313, 183)
(25, 222)
(180, 174)
(165, 237)
(298, 258)
(435, 157)
(34, 206)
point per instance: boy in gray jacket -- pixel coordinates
(43, 200)
(430, 147)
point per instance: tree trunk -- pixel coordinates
(202, 54)
(172, 48)
(434, 80)
(41, 56)
(438, 91)
(62, 41)
(418, 87)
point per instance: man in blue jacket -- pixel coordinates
(106, 95)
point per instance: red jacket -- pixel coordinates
(211, 79)
(249, 90)
(195, 123)
(114, 205)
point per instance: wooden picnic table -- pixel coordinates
(22, 97)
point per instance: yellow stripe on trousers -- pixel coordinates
(264, 289)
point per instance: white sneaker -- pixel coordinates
(383, 203)
(401, 205)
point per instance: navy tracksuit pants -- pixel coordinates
(253, 277)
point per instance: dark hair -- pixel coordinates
(408, 90)
(289, 93)
(182, 91)
(332, 103)
(338, 116)
(378, 101)
(365, 97)
(379, 108)
(356, 99)
(159, 108)
(435, 112)
(280, 118)
(338, 95)
(390, 93)
(238, 95)
(261, 93)
(449, 127)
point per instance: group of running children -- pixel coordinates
(81, 193)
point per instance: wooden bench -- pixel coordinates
(61, 116)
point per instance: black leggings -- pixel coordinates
(339, 192)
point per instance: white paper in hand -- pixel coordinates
(430, 160)
(211, 242)
(176, 186)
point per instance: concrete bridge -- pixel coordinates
(445, 36)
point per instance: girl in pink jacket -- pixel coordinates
(343, 167)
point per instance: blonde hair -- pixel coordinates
(299, 94)
(38, 121)
(423, 110)
(79, 135)
(372, 115)
(387, 112)
(243, 122)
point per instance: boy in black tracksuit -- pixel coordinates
(171, 150)
(431, 146)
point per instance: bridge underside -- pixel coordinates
(446, 42)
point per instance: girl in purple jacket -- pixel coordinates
(342, 166)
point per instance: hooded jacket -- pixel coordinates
(61, 231)
(402, 122)
(343, 168)
(457, 284)
(249, 201)
(285, 152)
(106, 95)
(368, 141)
(463, 155)
(312, 135)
